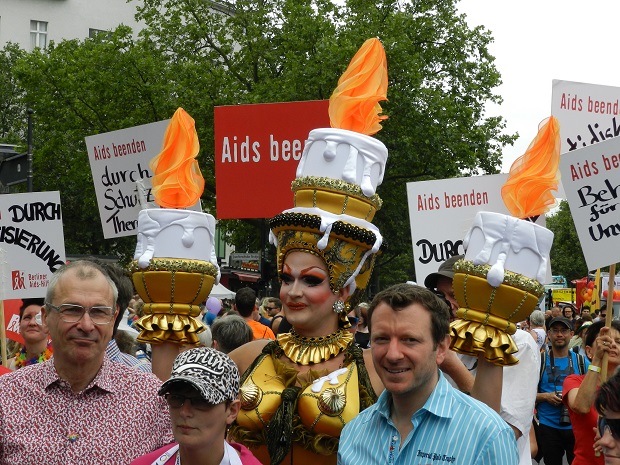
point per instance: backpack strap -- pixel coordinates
(543, 363)
(581, 364)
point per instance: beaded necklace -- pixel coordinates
(21, 360)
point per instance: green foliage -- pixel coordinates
(566, 254)
(81, 88)
(198, 55)
(13, 125)
(441, 75)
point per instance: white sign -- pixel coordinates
(442, 211)
(587, 113)
(119, 162)
(31, 241)
(591, 178)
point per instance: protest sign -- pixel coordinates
(442, 211)
(587, 113)
(119, 162)
(257, 150)
(11, 319)
(591, 178)
(31, 242)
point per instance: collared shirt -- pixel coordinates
(115, 419)
(115, 354)
(451, 428)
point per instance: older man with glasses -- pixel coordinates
(79, 407)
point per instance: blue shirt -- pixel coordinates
(552, 380)
(450, 429)
(115, 354)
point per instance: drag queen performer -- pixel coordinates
(299, 391)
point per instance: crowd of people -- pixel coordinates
(385, 386)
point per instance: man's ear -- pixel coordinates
(233, 411)
(442, 348)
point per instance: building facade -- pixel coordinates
(34, 23)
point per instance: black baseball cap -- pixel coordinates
(445, 270)
(560, 319)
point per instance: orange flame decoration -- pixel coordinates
(532, 177)
(354, 105)
(178, 182)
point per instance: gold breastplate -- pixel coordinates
(324, 406)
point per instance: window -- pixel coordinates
(38, 34)
(92, 33)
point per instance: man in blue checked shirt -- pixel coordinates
(419, 418)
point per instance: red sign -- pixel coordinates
(11, 319)
(257, 150)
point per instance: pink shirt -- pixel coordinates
(117, 418)
(247, 458)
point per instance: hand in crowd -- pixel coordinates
(604, 345)
(552, 398)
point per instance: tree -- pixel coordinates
(441, 76)
(81, 88)
(566, 254)
(199, 54)
(12, 111)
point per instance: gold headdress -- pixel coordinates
(340, 169)
(500, 281)
(174, 265)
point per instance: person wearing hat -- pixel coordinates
(202, 394)
(300, 390)
(576, 342)
(554, 433)
(441, 281)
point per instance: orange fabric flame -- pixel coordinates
(532, 177)
(178, 182)
(354, 105)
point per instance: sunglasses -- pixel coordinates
(177, 401)
(613, 425)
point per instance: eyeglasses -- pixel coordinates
(177, 401)
(71, 313)
(613, 425)
(559, 330)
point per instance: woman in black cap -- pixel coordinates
(202, 394)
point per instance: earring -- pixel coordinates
(338, 306)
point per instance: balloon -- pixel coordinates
(213, 305)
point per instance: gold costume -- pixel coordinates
(284, 418)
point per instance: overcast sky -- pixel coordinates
(537, 41)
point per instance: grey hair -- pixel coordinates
(85, 269)
(230, 332)
(537, 318)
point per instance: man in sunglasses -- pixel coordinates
(79, 407)
(202, 394)
(607, 404)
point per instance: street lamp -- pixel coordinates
(30, 111)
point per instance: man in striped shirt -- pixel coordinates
(419, 418)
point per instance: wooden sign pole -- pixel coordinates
(609, 315)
